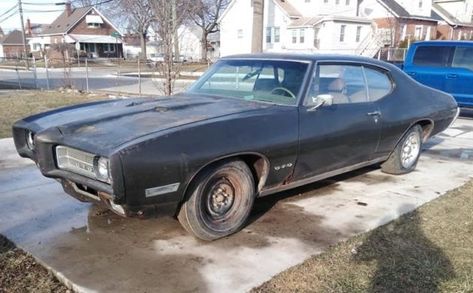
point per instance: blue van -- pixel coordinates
(444, 65)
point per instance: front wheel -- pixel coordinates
(405, 156)
(219, 201)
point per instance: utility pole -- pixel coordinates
(258, 24)
(20, 9)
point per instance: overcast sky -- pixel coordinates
(36, 13)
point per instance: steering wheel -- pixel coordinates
(287, 92)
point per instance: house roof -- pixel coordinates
(288, 8)
(305, 21)
(443, 14)
(398, 11)
(311, 21)
(15, 37)
(64, 23)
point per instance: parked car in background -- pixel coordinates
(251, 126)
(156, 58)
(444, 65)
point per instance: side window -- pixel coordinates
(379, 84)
(433, 56)
(345, 83)
(463, 57)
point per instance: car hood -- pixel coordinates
(103, 126)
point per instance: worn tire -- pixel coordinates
(218, 201)
(394, 164)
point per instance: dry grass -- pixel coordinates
(19, 104)
(429, 250)
(21, 273)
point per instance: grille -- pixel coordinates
(76, 161)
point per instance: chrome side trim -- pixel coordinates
(319, 177)
(155, 191)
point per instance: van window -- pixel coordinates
(434, 56)
(463, 58)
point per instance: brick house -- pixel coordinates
(400, 20)
(456, 19)
(12, 45)
(84, 29)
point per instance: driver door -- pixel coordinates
(342, 132)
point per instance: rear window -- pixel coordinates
(434, 56)
(463, 58)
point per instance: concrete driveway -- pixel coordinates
(93, 250)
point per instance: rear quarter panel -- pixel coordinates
(410, 103)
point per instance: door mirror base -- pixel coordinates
(321, 100)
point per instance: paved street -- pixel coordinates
(100, 79)
(95, 251)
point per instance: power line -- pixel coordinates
(9, 10)
(8, 17)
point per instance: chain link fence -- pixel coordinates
(131, 76)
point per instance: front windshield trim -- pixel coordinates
(193, 89)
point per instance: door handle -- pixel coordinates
(452, 76)
(412, 73)
(375, 113)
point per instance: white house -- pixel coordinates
(456, 19)
(327, 26)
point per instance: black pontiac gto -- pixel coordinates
(252, 125)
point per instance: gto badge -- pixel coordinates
(278, 168)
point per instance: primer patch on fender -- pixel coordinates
(155, 191)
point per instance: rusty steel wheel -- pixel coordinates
(219, 202)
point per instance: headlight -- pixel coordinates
(30, 140)
(102, 169)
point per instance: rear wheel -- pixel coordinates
(219, 202)
(405, 156)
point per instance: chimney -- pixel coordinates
(68, 8)
(29, 29)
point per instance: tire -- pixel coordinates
(405, 156)
(219, 201)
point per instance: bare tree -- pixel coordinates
(206, 15)
(169, 15)
(139, 15)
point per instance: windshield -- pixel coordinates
(273, 81)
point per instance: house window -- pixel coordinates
(343, 27)
(93, 21)
(240, 34)
(420, 3)
(268, 35)
(347, 2)
(316, 37)
(337, 2)
(418, 32)
(302, 36)
(307, 1)
(358, 33)
(326, 1)
(93, 25)
(277, 34)
(109, 48)
(294, 36)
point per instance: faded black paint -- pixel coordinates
(156, 142)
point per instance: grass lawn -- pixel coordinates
(19, 272)
(19, 104)
(428, 250)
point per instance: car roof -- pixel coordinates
(310, 57)
(442, 43)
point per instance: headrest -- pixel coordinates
(338, 85)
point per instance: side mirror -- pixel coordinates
(321, 100)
